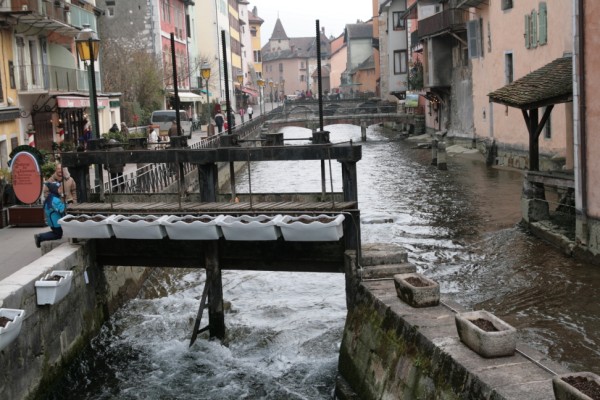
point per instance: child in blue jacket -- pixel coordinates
(54, 209)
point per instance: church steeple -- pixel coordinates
(279, 32)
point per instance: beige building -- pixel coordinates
(500, 56)
(255, 25)
(337, 61)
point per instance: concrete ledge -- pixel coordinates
(391, 350)
(52, 335)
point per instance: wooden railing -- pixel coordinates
(448, 20)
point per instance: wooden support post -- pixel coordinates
(363, 131)
(350, 189)
(434, 152)
(208, 178)
(216, 315)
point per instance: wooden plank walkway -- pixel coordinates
(162, 208)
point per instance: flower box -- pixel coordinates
(203, 227)
(305, 228)
(54, 287)
(417, 290)
(138, 227)
(86, 226)
(496, 339)
(245, 227)
(10, 325)
(576, 386)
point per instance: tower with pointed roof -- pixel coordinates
(279, 40)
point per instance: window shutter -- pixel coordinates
(534, 30)
(527, 41)
(543, 26)
(473, 38)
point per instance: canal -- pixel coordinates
(460, 227)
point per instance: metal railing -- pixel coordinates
(48, 77)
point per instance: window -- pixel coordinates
(543, 24)
(474, 38)
(400, 62)
(280, 67)
(253, 31)
(506, 4)
(257, 56)
(398, 21)
(508, 67)
(301, 78)
(536, 27)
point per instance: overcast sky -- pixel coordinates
(298, 17)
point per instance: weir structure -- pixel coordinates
(217, 255)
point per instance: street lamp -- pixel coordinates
(271, 84)
(261, 84)
(88, 47)
(205, 73)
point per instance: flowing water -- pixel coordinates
(284, 329)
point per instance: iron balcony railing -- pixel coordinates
(31, 78)
(452, 20)
(57, 10)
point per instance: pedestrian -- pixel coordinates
(124, 129)
(250, 111)
(54, 209)
(219, 120)
(116, 170)
(174, 129)
(68, 188)
(153, 138)
(114, 128)
(232, 119)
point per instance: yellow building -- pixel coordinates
(9, 110)
(255, 23)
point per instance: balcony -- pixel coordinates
(43, 78)
(453, 20)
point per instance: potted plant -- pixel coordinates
(203, 227)
(486, 334)
(87, 226)
(576, 386)
(417, 290)
(53, 287)
(10, 325)
(138, 227)
(306, 228)
(247, 227)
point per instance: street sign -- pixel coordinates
(26, 177)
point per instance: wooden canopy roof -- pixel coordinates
(551, 84)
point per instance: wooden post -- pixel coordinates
(208, 178)
(434, 152)
(216, 316)
(350, 189)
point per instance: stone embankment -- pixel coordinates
(393, 351)
(52, 335)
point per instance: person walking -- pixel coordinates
(174, 129)
(54, 209)
(250, 111)
(219, 121)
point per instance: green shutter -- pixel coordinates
(543, 26)
(534, 29)
(527, 41)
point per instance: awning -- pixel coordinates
(80, 102)
(551, 84)
(190, 97)
(249, 91)
(204, 91)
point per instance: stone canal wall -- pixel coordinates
(52, 335)
(393, 351)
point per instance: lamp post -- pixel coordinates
(240, 79)
(271, 84)
(88, 47)
(205, 73)
(261, 84)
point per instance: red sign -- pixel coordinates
(26, 177)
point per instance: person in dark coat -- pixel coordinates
(219, 121)
(174, 130)
(114, 128)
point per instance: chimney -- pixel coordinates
(323, 30)
(255, 11)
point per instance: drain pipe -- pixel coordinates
(579, 126)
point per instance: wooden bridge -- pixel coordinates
(216, 255)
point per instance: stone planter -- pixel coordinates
(189, 227)
(305, 228)
(138, 227)
(52, 290)
(500, 342)
(9, 330)
(246, 227)
(578, 386)
(86, 226)
(417, 290)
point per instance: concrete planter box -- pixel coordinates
(53, 291)
(190, 227)
(565, 391)
(417, 290)
(487, 344)
(305, 228)
(138, 227)
(12, 328)
(86, 226)
(246, 227)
